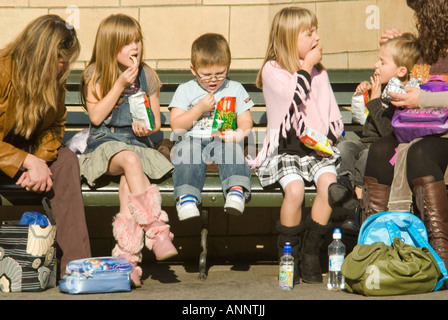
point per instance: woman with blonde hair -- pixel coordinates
(33, 72)
(118, 146)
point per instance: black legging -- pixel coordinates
(427, 157)
(378, 165)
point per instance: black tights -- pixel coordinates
(427, 157)
(378, 165)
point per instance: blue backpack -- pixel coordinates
(385, 226)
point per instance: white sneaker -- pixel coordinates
(235, 202)
(186, 207)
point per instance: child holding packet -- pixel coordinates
(117, 146)
(298, 95)
(396, 59)
(192, 114)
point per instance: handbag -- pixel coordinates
(393, 256)
(27, 252)
(410, 124)
(381, 270)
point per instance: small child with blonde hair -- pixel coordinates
(118, 146)
(396, 59)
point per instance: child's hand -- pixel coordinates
(313, 57)
(232, 135)
(128, 77)
(207, 103)
(140, 129)
(323, 154)
(376, 86)
(364, 86)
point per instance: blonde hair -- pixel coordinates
(210, 49)
(286, 26)
(405, 51)
(114, 32)
(35, 75)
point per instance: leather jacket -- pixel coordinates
(46, 139)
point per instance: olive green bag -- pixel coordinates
(381, 270)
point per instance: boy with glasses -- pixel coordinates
(192, 112)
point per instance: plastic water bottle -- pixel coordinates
(286, 274)
(336, 254)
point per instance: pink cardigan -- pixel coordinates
(317, 107)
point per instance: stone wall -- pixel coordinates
(349, 29)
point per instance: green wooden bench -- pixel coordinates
(343, 82)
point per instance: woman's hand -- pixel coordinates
(390, 34)
(408, 100)
(37, 176)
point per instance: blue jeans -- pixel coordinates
(191, 156)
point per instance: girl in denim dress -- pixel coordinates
(117, 146)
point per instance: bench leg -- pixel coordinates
(203, 255)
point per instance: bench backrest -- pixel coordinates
(343, 82)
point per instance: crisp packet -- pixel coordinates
(359, 106)
(316, 140)
(396, 86)
(140, 109)
(225, 117)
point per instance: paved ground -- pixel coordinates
(256, 283)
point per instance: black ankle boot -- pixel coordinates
(352, 223)
(293, 236)
(342, 194)
(313, 239)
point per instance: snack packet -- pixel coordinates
(316, 140)
(359, 106)
(140, 109)
(225, 117)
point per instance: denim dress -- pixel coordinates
(115, 134)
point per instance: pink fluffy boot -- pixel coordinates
(146, 209)
(129, 236)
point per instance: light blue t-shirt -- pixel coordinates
(188, 94)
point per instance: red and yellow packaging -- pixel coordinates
(316, 140)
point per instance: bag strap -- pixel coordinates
(418, 238)
(48, 211)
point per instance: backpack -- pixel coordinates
(385, 226)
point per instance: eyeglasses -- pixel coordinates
(207, 79)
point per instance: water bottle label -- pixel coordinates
(285, 277)
(335, 262)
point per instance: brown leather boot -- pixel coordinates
(375, 197)
(432, 203)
